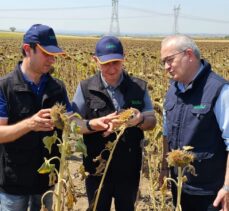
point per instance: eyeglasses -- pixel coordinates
(169, 59)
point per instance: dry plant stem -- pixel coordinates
(138, 193)
(172, 180)
(106, 168)
(151, 182)
(179, 188)
(44, 195)
(162, 202)
(61, 172)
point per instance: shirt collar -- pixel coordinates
(106, 85)
(182, 87)
(43, 78)
(36, 88)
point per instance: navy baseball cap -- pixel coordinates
(108, 49)
(44, 37)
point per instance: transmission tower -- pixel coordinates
(176, 14)
(114, 26)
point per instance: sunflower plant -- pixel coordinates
(61, 178)
(180, 159)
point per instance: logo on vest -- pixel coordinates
(136, 102)
(199, 107)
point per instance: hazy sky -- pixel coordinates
(135, 16)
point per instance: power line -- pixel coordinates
(52, 9)
(190, 17)
(151, 13)
(146, 11)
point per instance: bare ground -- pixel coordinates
(82, 204)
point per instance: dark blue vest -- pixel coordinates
(126, 161)
(191, 121)
(20, 160)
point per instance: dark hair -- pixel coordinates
(32, 45)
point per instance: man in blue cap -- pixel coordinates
(112, 89)
(26, 96)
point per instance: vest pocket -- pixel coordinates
(200, 110)
(170, 127)
(95, 104)
(169, 105)
(96, 107)
(206, 168)
(20, 168)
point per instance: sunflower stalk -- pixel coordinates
(106, 168)
(63, 122)
(181, 159)
(61, 170)
(125, 116)
(151, 181)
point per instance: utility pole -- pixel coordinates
(114, 25)
(176, 14)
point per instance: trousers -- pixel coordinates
(123, 192)
(9, 202)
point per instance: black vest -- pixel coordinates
(191, 121)
(20, 160)
(126, 161)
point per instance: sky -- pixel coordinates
(134, 16)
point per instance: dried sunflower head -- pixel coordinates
(126, 115)
(180, 158)
(58, 116)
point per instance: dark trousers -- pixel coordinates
(195, 202)
(124, 193)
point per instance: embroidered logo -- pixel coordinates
(136, 102)
(110, 46)
(201, 106)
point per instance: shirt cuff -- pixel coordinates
(227, 144)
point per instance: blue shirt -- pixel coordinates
(37, 89)
(78, 104)
(221, 111)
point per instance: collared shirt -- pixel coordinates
(37, 89)
(221, 110)
(115, 94)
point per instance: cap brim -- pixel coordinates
(51, 50)
(110, 58)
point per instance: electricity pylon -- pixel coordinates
(114, 26)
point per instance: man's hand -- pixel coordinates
(223, 198)
(40, 121)
(136, 119)
(104, 123)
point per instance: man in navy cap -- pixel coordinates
(26, 96)
(112, 89)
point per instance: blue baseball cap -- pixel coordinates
(108, 49)
(44, 37)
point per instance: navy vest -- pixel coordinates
(20, 160)
(126, 161)
(190, 120)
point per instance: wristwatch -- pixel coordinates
(226, 188)
(89, 126)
